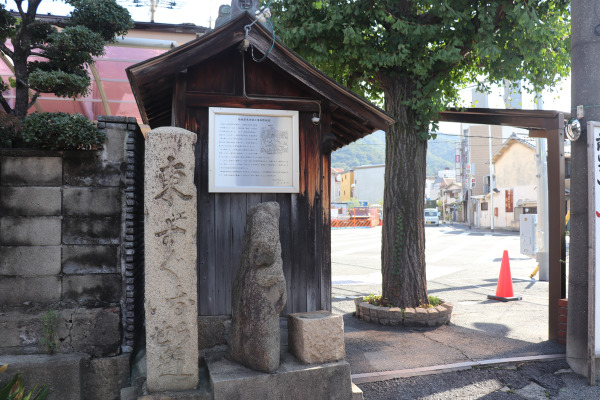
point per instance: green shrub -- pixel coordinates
(377, 300)
(50, 329)
(60, 131)
(9, 130)
(434, 301)
(15, 390)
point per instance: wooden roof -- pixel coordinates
(153, 80)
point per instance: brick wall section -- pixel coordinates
(62, 245)
(563, 305)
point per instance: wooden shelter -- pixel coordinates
(217, 70)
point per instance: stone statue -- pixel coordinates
(258, 294)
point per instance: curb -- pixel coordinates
(370, 377)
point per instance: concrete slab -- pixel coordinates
(293, 380)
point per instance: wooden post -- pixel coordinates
(556, 223)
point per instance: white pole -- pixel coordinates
(491, 182)
(542, 236)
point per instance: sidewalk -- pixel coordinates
(454, 362)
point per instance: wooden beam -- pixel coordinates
(526, 119)
(100, 87)
(210, 100)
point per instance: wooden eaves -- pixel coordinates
(153, 80)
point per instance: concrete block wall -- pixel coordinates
(62, 246)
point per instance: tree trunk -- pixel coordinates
(21, 91)
(403, 237)
(22, 50)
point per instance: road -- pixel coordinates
(462, 267)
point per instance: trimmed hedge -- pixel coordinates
(60, 131)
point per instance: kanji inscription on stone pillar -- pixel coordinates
(170, 260)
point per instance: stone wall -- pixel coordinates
(68, 243)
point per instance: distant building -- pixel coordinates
(447, 173)
(451, 200)
(346, 186)
(110, 92)
(516, 186)
(430, 192)
(336, 184)
(369, 182)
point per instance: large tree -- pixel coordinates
(61, 54)
(416, 55)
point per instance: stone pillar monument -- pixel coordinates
(170, 261)
(258, 294)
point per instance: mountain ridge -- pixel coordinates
(370, 150)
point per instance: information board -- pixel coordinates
(253, 151)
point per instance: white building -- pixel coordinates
(369, 182)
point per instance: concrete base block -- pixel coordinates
(104, 377)
(316, 337)
(63, 373)
(292, 380)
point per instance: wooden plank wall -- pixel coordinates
(304, 226)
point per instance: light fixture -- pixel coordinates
(572, 129)
(315, 120)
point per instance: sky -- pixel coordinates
(199, 12)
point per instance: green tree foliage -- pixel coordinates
(61, 54)
(415, 55)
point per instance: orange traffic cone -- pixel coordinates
(504, 290)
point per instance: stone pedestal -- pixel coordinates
(293, 380)
(316, 337)
(170, 247)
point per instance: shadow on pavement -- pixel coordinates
(375, 348)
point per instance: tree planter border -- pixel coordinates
(394, 316)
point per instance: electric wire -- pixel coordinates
(247, 29)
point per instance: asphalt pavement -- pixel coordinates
(490, 350)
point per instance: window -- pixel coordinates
(484, 206)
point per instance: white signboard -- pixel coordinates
(593, 129)
(253, 151)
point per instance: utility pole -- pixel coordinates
(585, 91)
(542, 201)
